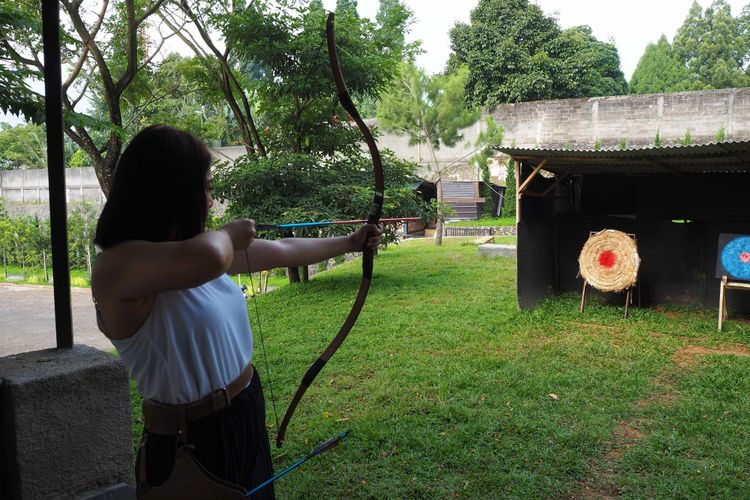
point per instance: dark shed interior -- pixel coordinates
(676, 200)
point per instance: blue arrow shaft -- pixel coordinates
(325, 446)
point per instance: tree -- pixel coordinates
(22, 146)
(430, 111)
(211, 19)
(347, 6)
(489, 138)
(179, 96)
(81, 229)
(305, 133)
(659, 70)
(293, 89)
(584, 66)
(515, 53)
(105, 50)
(714, 46)
(21, 19)
(289, 188)
(509, 207)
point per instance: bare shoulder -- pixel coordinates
(111, 263)
(135, 269)
(119, 317)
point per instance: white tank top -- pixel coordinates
(193, 342)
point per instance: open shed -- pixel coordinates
(676, 200)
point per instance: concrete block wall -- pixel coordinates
(582, 123)
(634, 119)
(32, 186)
(575, 123)
(65, 424)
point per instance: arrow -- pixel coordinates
(322, 447)
(271, 227)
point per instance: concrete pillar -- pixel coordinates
(65, 424)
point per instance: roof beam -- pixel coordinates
(531, 176)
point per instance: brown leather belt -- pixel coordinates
(172, 420)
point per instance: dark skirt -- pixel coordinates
(232, 444)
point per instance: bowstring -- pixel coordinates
(262, 340)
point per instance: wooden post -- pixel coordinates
(518, 167)
(722, 301)
(583, 294)
(628, 299)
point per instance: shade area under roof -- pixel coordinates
(720, 157)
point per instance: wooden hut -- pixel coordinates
(676, 200)
(463, 197)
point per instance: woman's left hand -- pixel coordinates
(368, 236)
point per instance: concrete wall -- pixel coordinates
(563, 123)
(581, 123)
(32, 186)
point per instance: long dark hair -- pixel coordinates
(158, 190)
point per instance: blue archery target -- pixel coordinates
(735, 257)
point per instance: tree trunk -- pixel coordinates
(44, 263)
(293, 274)
(87, 243)
(439, 223)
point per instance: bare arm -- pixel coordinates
(135, 269)
(292, 252)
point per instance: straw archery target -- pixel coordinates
(609, 261)
(735, 256)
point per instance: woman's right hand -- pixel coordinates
(241, 232)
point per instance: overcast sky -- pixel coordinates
(630, 24)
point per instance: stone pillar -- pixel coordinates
(65, 424)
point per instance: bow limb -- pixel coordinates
(367, 253)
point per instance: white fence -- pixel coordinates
(32, 186)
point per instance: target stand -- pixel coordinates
(733, 267)
(609, 262)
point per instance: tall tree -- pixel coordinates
(430, 111)
(18, 69)
(659, 70)
(210, 19)
(22, 146)
(584, 66)
(294, 97)
(104, 49)
(714, 46)
(178, 94)
(293, 89)
(348, 7)
(515, 52)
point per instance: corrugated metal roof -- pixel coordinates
(729, 157)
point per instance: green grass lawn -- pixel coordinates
(36, 276)
(450, 391)
(485, 222)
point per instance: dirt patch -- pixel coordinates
(689, 355)
(601, 481)
(589, 493)
(626, 434)
(664, 398)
